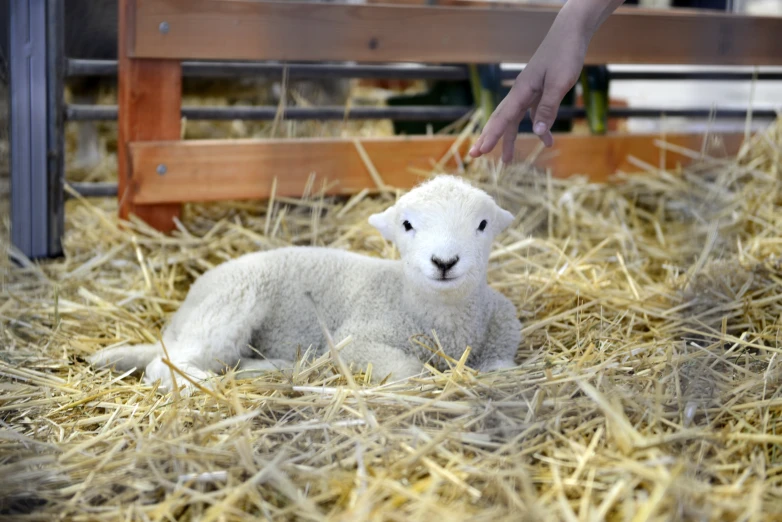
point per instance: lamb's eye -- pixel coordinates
(482, 226)
(408, 226)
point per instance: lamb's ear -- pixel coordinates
(504, 219)
(384, 222)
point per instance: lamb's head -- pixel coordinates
(444, 230)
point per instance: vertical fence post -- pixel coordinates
(36, 90)
(55, 97)
(150, 98)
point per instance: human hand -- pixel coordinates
(551, 72)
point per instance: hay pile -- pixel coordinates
(648, 385)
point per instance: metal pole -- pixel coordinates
(702, 75)
(55, 86)
(297, 71)
(268, 113)
(35, 219)
(735, 76)
(102, 189)
(417, 113)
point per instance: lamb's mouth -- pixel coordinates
(445, 279)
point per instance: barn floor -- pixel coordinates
(648, 385)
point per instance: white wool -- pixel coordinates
(254, 312)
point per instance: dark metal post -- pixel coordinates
(55, 99)
(36, 89)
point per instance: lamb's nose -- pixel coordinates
(444, 266)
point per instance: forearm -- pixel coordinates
(589, 15)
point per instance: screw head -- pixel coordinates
(161, 169)
(163, 27)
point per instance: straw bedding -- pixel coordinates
(647, 387)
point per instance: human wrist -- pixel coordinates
(585, 16)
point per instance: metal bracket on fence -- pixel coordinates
(36, 138)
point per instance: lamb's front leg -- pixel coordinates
(503, 339)
(386, 360)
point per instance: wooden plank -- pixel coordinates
(513, 4)
(149, 96)
(599, 157)
(213, 170)
(231, 29)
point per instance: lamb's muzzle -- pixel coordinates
(445, 266)
(255, 304)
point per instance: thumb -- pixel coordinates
(548, 106)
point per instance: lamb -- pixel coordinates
(266, 303)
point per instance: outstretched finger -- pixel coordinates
(491, 132)
(547, 138)
(475, 150)
(510, 110)
(545, 112)
(508, 142)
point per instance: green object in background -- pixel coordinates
(595, 84)
(450, 94)
(484, 85)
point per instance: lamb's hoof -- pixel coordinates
(98, 360)
(492, 366)
(251, 368)
(396, 372)
(108, 357)
(157, 370)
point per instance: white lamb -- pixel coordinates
(253, 312)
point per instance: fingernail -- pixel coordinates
(540, 128)
(473, 150)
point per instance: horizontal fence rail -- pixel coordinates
(103, 189)
(211, 170)
(190, 69)
(294, 32)
(692, 75)
(78, 67)
(422, 113)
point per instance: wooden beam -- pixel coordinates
(292, 31)
(515, 4)
(599, 157)
(149, 96)
(213, 170)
